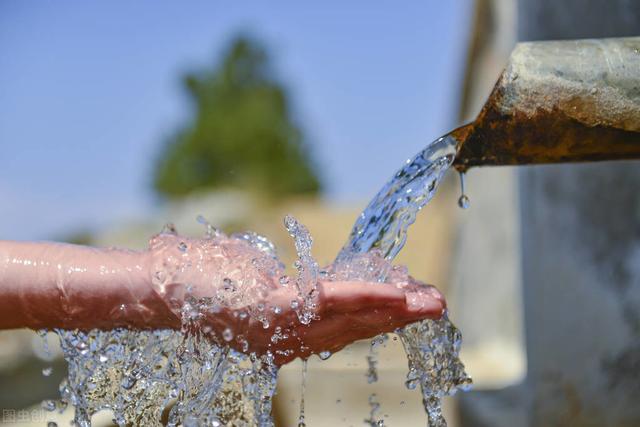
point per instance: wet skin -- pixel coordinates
(52, 285)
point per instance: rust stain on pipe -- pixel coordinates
(555, 102)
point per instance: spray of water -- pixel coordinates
(307, 268)
(187, 377)
(193, 377)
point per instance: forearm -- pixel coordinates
(48, 285)
(235, 291)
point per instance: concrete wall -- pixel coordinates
(580, 227)
(580, 265)
(581, 276)
(485, 296)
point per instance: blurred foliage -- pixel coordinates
(83, 237)
(242, 134)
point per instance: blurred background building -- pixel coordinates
(120, 117)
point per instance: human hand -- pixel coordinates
(239, 297)
(345, 312)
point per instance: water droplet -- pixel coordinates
(48, 405)
(102, 358)
(47, 371)
(295, 304)
(128, 382)
(228, 285)
(52, 424)
(277, 310)
(284, 280)
(169, 228)
(305, 317)
(182, 247)
(411, 384)
(290, 223)
(227, 335)
(463, 201)
(324, 355)
(160, 276)
(211, 231)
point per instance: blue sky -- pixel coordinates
(89, 90)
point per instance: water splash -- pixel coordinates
(258, 241)
(307, 268)
(191, 377)
(211, 231)
(432, 347)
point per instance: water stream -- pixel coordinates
(432, 347)
(185, 378)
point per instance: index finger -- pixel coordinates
(351, 296)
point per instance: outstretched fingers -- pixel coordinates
(413, 302)
(341, 297)
(355, 310)
(346, 312)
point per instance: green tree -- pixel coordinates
(242, 134)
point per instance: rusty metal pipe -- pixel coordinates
(556, 102)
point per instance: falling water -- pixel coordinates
(190, 377)
(432, 346)
(303, 392)
(307, 268)
(463, 200)
(373, 420)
